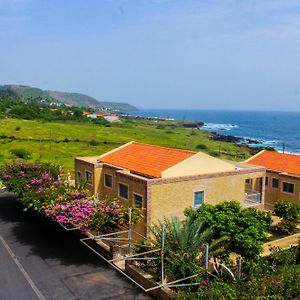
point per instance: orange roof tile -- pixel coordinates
(281, 162)
(144, 159)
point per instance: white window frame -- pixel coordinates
(139, 196)
(112, 181)
(272, 183)
(288, 193)
(198, 191)
(92, 177)
(127, 191)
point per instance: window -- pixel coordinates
(79, 176)
(123, 191)
(288, 187)
(108, 181)
(267, 181)
(89, 177)
(275, 183)
(248, 181)
(138, 200)
(198, 199)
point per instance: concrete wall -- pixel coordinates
(170, 197)
(200, 163)
(275, 194)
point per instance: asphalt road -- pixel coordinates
(39, 260)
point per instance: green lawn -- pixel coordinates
(35, 136)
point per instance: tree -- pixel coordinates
(245, 228)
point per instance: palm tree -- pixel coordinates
(184, 245)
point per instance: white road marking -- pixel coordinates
(27, 277)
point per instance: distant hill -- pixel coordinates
(25, 93)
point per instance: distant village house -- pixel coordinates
(282, 178)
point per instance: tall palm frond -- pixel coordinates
(187, 236)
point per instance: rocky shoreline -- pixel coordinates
(241, 142)
(232, 139)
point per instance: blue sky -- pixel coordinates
(225, 54)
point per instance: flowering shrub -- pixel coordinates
(42, 194)
(17, 176)
(77, 212)
(110, 214)
(39, 189)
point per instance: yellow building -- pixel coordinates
(282, 177)
(165, 181)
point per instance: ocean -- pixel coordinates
(275, 129)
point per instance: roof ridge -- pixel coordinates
(114, 150)
(164, 147)
(255, 155)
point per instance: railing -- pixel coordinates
(252, 197)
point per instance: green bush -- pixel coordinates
(18, 128)
(21, 153)
(290, 214)
(285, 227)
(210, 290)
(283, 257)
(201, 147)
(214, 153)
(101, 121)
(160, 126)
(287, 210)
(94, 143)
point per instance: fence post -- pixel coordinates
(162, 253)
(206, 257)
(97, 198)
(239, 269)
(130, 233)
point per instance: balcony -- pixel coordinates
(252, 198)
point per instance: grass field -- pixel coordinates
(62, 142)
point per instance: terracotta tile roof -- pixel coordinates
(282, 162)
(144, 159)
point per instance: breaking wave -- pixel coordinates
(217, 127)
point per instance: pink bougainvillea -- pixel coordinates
(6, 177)
(77, 213)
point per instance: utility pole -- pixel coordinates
(283, 147)
(50, 138)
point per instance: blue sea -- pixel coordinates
(275, 129)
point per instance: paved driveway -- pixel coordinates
(39, 260)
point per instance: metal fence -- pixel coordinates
(124, 244)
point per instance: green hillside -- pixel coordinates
(26, 93)
(63, 141)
